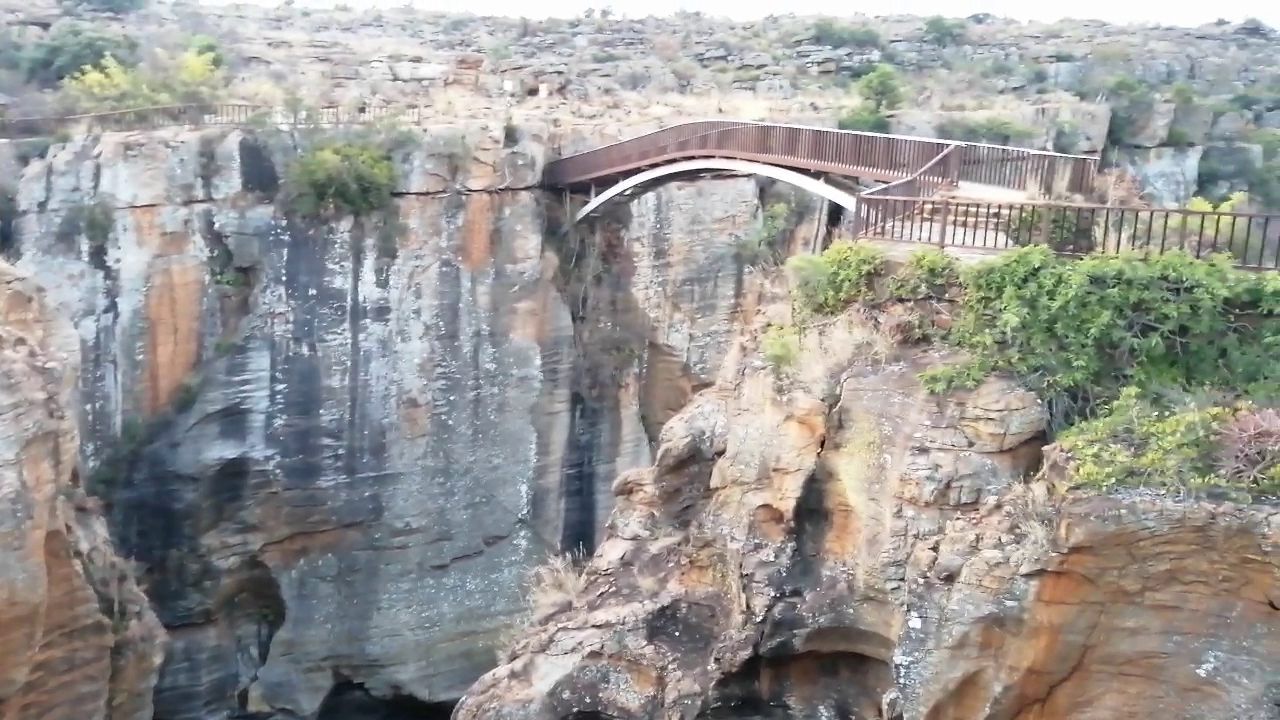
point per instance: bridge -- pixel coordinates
(889, 187)
(925, 190)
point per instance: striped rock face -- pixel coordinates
(77, 637)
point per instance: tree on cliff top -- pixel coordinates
(882, 88)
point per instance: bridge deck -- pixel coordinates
(912, 205)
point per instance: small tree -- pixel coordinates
(70, 47)
(864, 119)
(943, 32)
(881, 88)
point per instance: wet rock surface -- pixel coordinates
(334, 449)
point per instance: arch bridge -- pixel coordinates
(929, 190)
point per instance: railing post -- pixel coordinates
(943, 207)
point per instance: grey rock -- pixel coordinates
(1168, 176)
(1146, 126)
(1191, 124)
(1229, 126)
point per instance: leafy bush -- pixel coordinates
(1078, 331)
(1269, 139)
(1129, 100)
(828, 32)
(943, 32)
(987, 129)
(882, 88)
(927, 273)
(864, 118)
(1145, 441)
(1249, 448)
(342, 179)
(761, 247)
(780, 347)
(843, 274)
(192, 77)
(69, 48)
(205, 45)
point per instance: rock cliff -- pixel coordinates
(78, 640)
(334, 449)
(842, 544)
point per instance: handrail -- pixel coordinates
(877, 156)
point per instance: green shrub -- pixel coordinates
(845, 273)
(828, 32)
(780, 347)
(927, 273)
(987, 129)
(864, 118)
(69, 48)
(1129, 100)
(1143, 440)
(1078, 331)
(342, 179)
(1269, 139)
(943, 32)
(882, 88)
(760, 248)
(191, 77)
(205, 45)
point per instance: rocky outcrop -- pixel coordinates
(1168, 176)
(842, 544)
(78, 640)
(336, 448)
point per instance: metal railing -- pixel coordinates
(839, 152)
(202, 115)
(1252, 239)
(917, 170)
(875, 156)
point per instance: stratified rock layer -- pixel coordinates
(336, 448)
(77, 638)
(843, 544)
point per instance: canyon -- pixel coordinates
(332, 452)
(459, 457)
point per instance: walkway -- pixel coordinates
(924, 179)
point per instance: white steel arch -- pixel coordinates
(846, 200)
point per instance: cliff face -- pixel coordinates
(77, 638)
(842, 544)
(336, 449)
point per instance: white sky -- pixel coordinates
(1171, 12)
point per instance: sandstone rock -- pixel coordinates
(262, 356)
(1191, 124)
(1229, 126)
(79, 640)
(795, 565)
(1168, 176)
(1146, 127)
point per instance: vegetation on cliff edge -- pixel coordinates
(348, 178)
(1156, 371)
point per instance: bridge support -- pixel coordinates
(711, 165)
